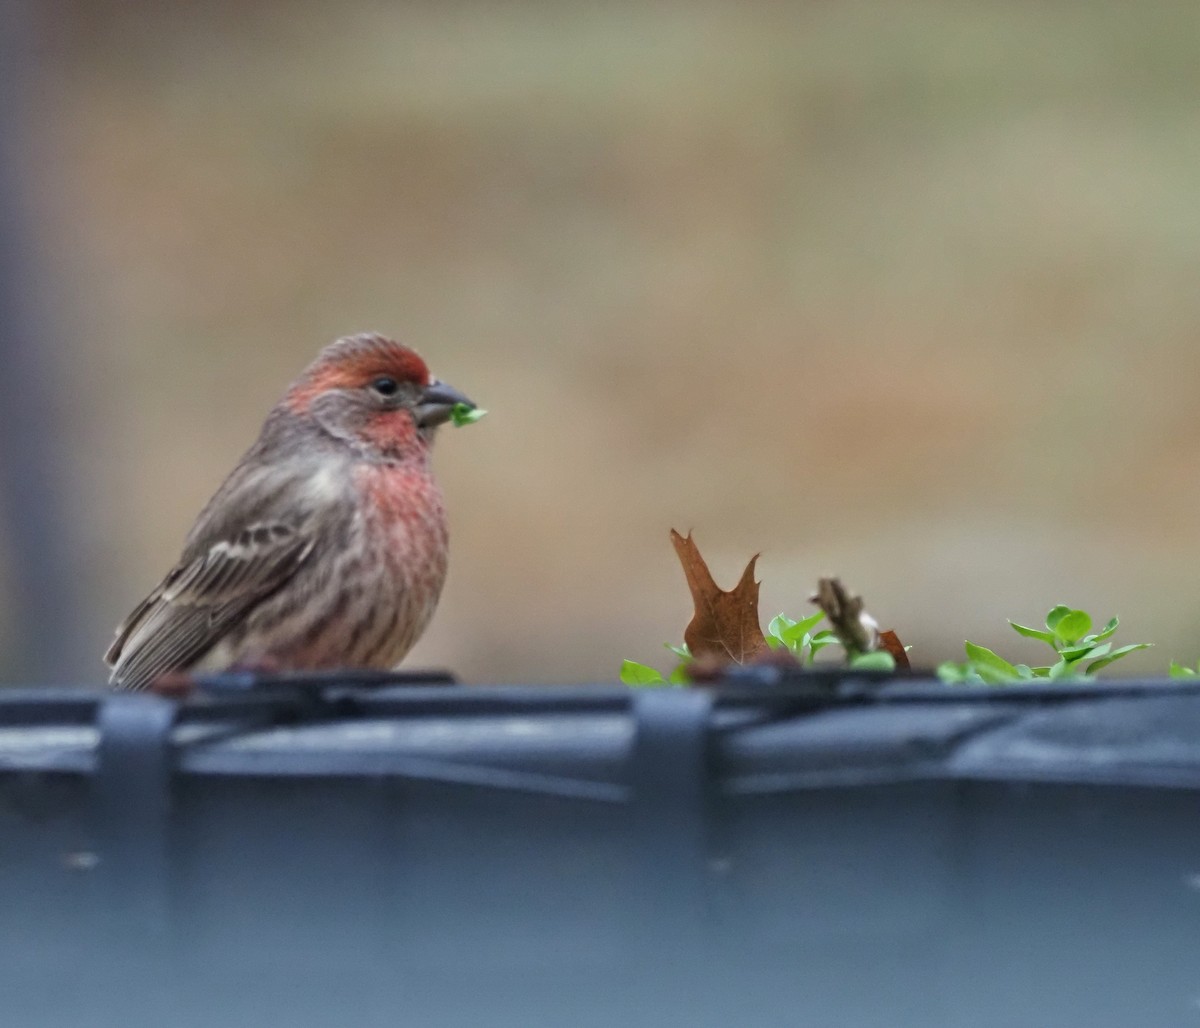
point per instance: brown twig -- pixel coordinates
(855, 629)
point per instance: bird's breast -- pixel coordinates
(404, 521)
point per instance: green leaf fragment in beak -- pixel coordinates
(464, 414)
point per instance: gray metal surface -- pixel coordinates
(812, 854)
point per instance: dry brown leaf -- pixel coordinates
(725, 624)
(890, 641)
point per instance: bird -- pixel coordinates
(325, 547)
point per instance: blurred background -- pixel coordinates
(903, 290)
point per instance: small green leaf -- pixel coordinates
(955, 674)
(464, 414)
(877, 660)
(818, 641)
(682, 652)
(635, 674)
(1034, 633)
(1181, 671)
(780, 623)
(1084, 651)
(1072, 626)
(1060, 670)
(679, 676)
(814, 648)
(799, 629)
(793, 634)
(1107, 631)
(1056, 615)
(1116, 654)
(982, 657)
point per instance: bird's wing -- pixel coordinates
(198, 601)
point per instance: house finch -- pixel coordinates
(326, 545)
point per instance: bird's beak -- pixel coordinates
(436, 403)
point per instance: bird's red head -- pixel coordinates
(355, 362)
(373, 390)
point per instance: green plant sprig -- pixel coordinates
(1068, 632)
(801, 638)
(643, 675)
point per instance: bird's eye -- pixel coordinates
(385, 385)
